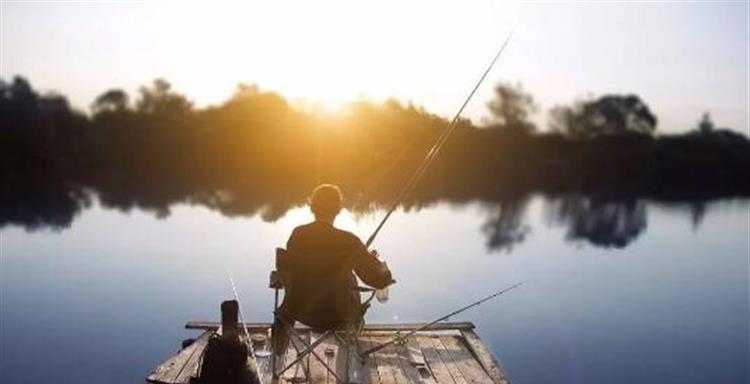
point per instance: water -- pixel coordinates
(613, 292)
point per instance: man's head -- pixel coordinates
(325, 201)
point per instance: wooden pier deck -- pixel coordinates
(446, 353)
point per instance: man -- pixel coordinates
(322, 262)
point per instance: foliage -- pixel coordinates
(257, 153)
(159, 99)
(705, 125)
(607, 115)
(112, 101)
(512, 108)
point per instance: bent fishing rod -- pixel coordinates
(432, 154)
(401, 338)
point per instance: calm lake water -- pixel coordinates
(613, 293)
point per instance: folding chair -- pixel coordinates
(345, 333)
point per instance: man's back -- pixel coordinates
(321, 263)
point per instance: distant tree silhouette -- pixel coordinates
(159, 99)
(18, 99)
(512, 108)
(258, 154)
(705, 124)
(610, 114)
(23, 108)
(112, 101)
(246, 90)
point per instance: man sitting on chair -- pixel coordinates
(322, 262)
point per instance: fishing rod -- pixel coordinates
(400, 338)
(432, 154)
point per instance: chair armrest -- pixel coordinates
(274, 281)
(364, 289)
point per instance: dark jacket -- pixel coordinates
(322, 261)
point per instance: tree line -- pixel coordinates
(258, 153)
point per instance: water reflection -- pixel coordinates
(596, 220)
(53, 206)
(600, 222)
(505, 226)
(697, 213)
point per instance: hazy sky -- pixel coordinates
(681, 58)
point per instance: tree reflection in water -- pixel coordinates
(506, 225)
(601, 222)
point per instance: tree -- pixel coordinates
(511, 108)
(112, 101)
(160, 99)
(705, 124)
(18, 97)
(245, 91)
(609, 114)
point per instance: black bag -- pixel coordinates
(225, 361)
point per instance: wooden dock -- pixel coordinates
(449, 353)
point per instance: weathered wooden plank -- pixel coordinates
(256, 327)
(414, 352)
(457, 357)
(171, 369)
(447, 359)
(393, 359)
(412, 361)
(384, 362)
(318, 372)
(419, 362)
(259, 365)
(485, 357)
(471, 370)
(370, 372)
(335, 356)
(385, 371)
(437, 367)
(348, 366)
(191, 368)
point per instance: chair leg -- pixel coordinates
(353, 357)
(324, 336)
(354, 360)
(348, 345)
(273, 342)
(310, 350)
(307, 361)
(289, 331)
(298, 351)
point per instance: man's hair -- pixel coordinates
(325, 200)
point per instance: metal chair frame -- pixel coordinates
(350, 334)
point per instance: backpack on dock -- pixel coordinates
(225, 359)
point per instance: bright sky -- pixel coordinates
(681, 58)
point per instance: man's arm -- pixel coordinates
(368, 268)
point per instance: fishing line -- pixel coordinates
(432, 154)
(244, 325)
(400, 338)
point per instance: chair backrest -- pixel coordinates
(313, 285)
(280, 274)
